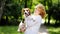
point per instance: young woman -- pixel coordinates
(34, 21)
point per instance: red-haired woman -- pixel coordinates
(34, 21)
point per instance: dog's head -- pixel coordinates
(26, 11)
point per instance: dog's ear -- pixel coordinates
(29, 10)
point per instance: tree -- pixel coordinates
(2, 3)
(25, 3)
(49, 10)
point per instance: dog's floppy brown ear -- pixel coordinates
(29, 11)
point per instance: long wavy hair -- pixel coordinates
(42, 12)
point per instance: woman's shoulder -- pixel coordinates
(36, 16)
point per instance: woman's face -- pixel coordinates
(38, 10)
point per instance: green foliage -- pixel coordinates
(12, 9)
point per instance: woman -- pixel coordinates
(34, 21)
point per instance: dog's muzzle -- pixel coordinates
(26, 13)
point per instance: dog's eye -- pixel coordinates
(26, 10)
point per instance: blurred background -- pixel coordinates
(11, 15)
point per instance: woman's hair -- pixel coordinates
(43, 12)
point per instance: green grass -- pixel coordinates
(54, 30)
(13, 30)
(9, 30)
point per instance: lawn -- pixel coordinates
(13, 30)
(9, 30)
(54, 30)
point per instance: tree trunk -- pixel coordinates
(25, 3)
(2, 3)
(48, 19)
(49, 12)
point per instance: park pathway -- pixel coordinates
(43, 29)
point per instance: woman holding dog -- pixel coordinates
(34, 21)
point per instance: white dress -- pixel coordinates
(33, 24)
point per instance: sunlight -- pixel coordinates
(43, 33)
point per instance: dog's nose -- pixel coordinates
(25, 13)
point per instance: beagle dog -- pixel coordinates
(26, 12)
